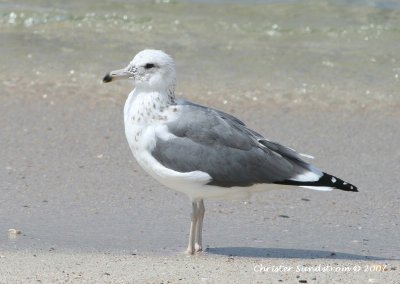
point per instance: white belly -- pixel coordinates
(190, 183)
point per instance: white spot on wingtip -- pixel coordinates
(333, 180)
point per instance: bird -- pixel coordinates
(200, 151)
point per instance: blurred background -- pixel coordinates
(323, 52)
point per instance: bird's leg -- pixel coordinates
(193, 225)
(198, 246)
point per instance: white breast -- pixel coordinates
(142, 116)
(145, 122)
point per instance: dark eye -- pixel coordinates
(149, 65)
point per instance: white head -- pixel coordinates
(152, 70)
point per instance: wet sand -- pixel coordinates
(87, 212)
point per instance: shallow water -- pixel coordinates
(320, 53)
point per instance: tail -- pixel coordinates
(325, 182)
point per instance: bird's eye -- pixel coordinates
(149, 65)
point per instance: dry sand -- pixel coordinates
(53, 267)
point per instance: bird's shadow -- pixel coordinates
(288, 253)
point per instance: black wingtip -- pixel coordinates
(107, 78)
(326, 180)
(335, 182)
(339, 184)
(348, 187)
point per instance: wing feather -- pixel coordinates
(221, 145)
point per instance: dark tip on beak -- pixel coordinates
(107, 78)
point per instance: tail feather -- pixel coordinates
(324, 182)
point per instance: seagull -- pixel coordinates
(200, 151)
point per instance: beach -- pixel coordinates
(83, 210)
(50, 267)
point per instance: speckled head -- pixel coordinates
(152, 70)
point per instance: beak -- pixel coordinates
(117, 75)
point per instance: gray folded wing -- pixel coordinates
(221, 145)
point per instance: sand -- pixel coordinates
(82, 210)
(87, 212)
(54, 267)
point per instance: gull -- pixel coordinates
(200, 151)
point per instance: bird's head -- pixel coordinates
(151, 70)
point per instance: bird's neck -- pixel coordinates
(162, 96)
(143, 108)
(154, 99)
